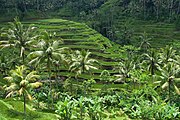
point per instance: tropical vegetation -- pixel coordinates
(121, 63)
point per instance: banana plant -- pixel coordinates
(81, 108)
(87, 84)
(95, 110)
(65, 108)
(106, 77)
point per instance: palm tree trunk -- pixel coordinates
(49, 72)
(157, 12)
(169, 90)
(144, 10)
(24, 105)
(23, 58)
(178, 8)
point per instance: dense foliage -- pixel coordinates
(145, 79)
(147, 9)
(60, 69)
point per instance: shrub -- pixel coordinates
(149, 110)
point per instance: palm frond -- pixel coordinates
(9, 94)
(35, 54)
(35, 85)
(165, 85)
(176, 89)
(31, 77)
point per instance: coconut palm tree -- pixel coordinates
(20, 82)
(145, 44)
(19, 37)
(169, 74)
(81, 62)
(4, 64)
(48, 51)
(167, 55)
(125, 67)
(152, 61)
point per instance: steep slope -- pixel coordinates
(79, 36)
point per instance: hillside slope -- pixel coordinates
(79, 36)
(111, 17)
(161, 33)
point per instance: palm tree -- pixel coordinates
(105, 76)
(48, 52)
(125, 67)
(81, 62)
(152, 61)
(19, 37)
(169, 75)
(20, 82)
(145, 45)
(4, 64)
(167, 55)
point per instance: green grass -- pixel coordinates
(13, 110)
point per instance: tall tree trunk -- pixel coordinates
(144, 9)
(178, 8)
(157, 10)
(38, 5)
(169, 81)
(23, 58)
(49, 71)
(170, 9)
(24, 105)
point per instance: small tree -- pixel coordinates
(20, 82)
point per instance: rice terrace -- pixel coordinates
(90, 60)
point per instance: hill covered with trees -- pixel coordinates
(120, 21)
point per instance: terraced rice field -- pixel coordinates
(161, 34)
(79, 36)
